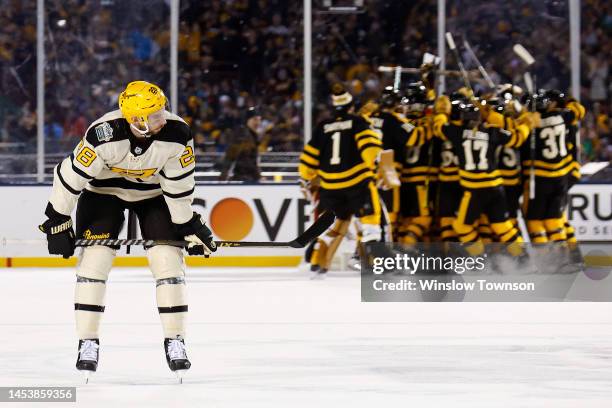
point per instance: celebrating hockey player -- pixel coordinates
(342, 153)
(554, 166)
(417, 170)
(475, 142)
(139, 157)
(398, 135)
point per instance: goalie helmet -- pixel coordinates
(140, 104)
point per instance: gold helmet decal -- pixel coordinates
(139, 100)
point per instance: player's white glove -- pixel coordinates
(198, 235)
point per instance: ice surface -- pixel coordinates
(274, 338)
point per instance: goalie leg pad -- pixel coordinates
(168, 268)
(92, 272)
(331, 240)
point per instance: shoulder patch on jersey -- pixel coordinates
(175, 131)
(108, 131)
(104, 132)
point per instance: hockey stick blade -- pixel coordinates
(523, 53)
(322, 223)
(450, 41)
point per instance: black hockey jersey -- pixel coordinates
(552, 150)
(417, 166)
(476, 150)
(342, 152)
(397, 133)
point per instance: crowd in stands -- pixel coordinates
(239, 53)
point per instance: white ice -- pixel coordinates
(273, 338)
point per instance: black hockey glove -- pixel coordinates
(60, 235)
(199, 236)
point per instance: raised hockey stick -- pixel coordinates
(530, 84)
(317, 228)
(482, 69)
(451, 44)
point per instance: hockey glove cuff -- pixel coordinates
(199, 236)
(60, 235)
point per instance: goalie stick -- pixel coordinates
(317, 228)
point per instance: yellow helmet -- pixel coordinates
(139, 100)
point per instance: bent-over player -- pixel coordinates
(138, 157)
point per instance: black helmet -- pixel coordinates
(415, 97)
(469, 113)
(456, 99)
(555, 95)
(542, 101)
(253, 111)
(496, 104)
(390, 97)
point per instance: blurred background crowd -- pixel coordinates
(239, 53)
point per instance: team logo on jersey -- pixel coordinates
(134, 173)
(88, 235)
(104, 132)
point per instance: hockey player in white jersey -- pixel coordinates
(139, 157)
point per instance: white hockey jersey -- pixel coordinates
(111, 160)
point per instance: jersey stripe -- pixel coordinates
(123, 183)
(179, 195)
(179, 177)
(64, 182)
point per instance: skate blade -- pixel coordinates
(86, 375)
(179, 375)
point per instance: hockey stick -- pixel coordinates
(451, 44)
(482, 69)
(530, 84)
(317, 228)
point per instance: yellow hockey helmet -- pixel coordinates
(139, 100)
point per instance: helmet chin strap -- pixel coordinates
(143, 133)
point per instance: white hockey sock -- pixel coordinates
(172, 306)
(88, 306)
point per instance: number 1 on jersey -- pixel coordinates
(335, 159)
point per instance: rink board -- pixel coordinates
(245, 212)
